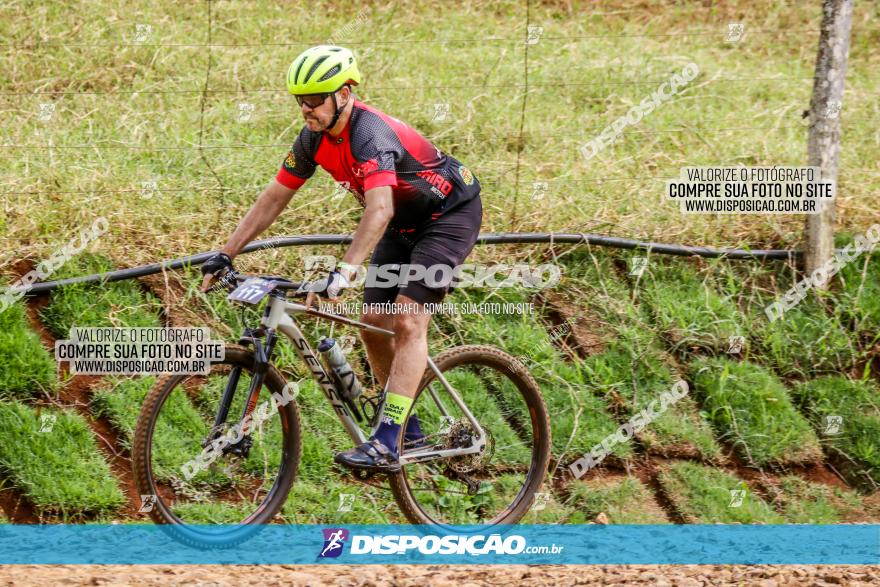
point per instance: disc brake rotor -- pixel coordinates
(461, 435)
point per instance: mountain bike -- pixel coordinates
(483, 451)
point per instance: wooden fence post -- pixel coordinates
(823, 145)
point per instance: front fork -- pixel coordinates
(262, 357)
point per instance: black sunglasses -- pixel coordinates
(312, 100)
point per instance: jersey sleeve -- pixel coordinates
(377, 154)
(299, 165)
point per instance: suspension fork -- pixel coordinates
(262, 358)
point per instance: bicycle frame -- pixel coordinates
(279, 317)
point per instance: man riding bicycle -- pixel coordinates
(422, 208)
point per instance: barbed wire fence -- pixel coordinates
(532, 34)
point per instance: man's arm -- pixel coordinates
(263, 213)
(377, 215)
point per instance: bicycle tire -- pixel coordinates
(142, 467)
(531, 392)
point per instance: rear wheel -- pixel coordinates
(497, 485)
(238, 490)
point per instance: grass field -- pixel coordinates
(735, 409)
(90, 115)
(127, 99)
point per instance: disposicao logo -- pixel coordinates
(334, 539)
(445, 545)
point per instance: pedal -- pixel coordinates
(368, 478)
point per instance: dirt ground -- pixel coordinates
(461, 576)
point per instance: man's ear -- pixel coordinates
(345, 92)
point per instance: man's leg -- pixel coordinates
(408, 363)
(380, 347)
(411, 347)
(407, 368)
(444, 242)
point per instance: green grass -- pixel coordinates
(591, 284)
(580, 419)
(859, 295)
(812, 338)
(635, 372)
(26, 367)
(119, 400)
(688, 311)
(703, 495)
(694, 128)
(212, 512)
(624, 501)
(323, 434)
(751, 410)
(857, 443)
(60, 470)
(120, 303)
(554, 512)
(318, 502)
(807, 342)
(54, 191)
(178, 433)
(803, 502)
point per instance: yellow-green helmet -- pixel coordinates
(321, 70)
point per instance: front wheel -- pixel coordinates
(496, 485)
(216, 485)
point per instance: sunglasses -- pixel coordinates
(312, 100)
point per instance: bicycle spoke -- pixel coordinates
(206, 484)
(474, 488)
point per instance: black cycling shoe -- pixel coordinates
(370, 456)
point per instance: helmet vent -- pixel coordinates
(315, 66)
(299, 67)
(336, 69)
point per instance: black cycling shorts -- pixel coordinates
(446, 240)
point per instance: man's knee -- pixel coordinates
(411, 325)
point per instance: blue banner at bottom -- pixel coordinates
(390, 544)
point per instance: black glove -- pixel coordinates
(217, 265)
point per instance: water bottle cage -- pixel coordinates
(374, 403)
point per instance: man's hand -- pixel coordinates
(330, 287)
(215, 267)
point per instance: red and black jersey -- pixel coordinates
(376, 150)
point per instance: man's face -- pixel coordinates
(319, 117)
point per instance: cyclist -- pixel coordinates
(422, 208)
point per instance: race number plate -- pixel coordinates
(252, 291)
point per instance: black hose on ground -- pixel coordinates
(485, 239)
